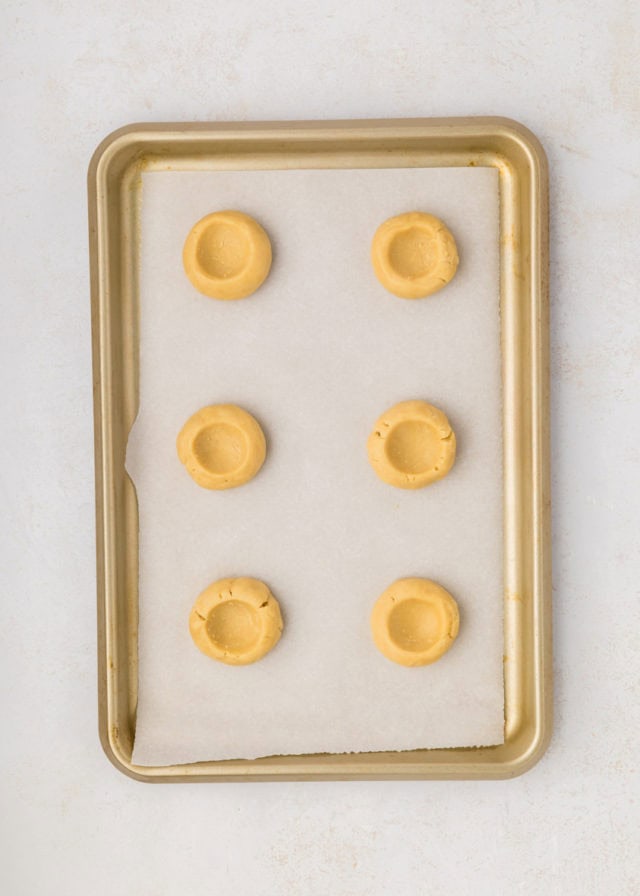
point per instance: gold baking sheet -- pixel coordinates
(114, 180)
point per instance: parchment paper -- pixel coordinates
(316, 355)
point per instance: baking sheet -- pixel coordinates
(317, 354)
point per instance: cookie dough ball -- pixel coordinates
(412, 445)
(414, 255)
(414, 622)
(222, 446)
(227, 255)
(236, 621)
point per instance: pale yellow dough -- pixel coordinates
(414, 255)
(236, 621)
(227, 255)
(414, 622)
(412, 445)
(222, 446)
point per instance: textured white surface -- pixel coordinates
(317, 354)
(73, 71)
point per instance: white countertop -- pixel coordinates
(72, 72)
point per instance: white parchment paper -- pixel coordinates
(316, 355)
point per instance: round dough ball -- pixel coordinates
(414, 255)
(222, 446)
(236, 621)
(414, 622)
(412, 445)
(227, 255)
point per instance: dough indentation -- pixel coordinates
(414, 622)
(222, 251)
(414, 255)
(234, 626)
(411, 445)
(236, 621)
(227, 255)
(220, 448)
